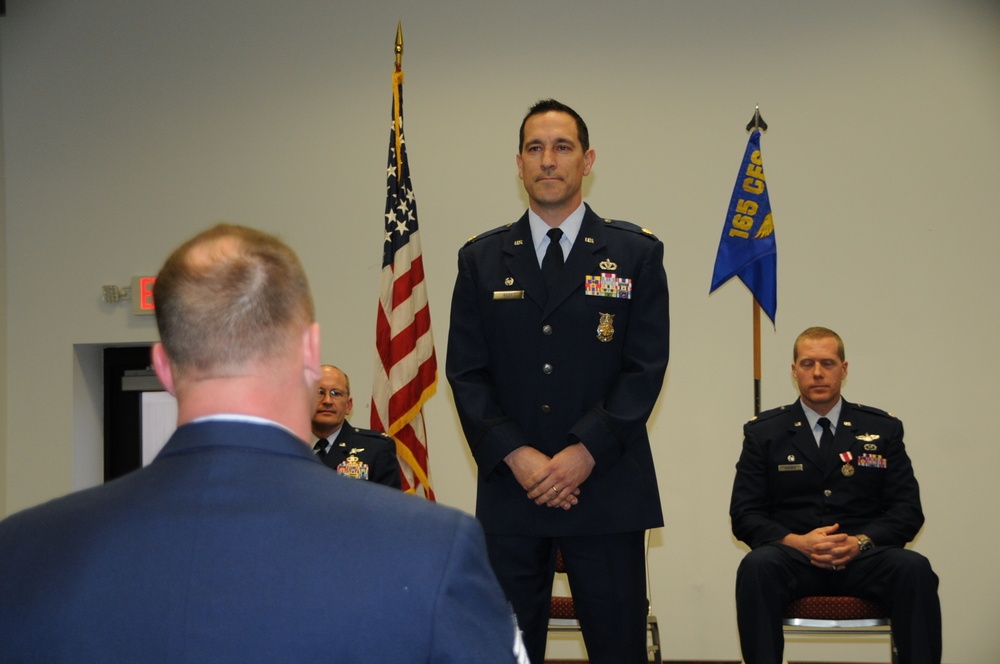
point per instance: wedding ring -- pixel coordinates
(556, 489)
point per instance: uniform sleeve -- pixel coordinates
(472, 620)
(901, 516)
(610, 425)
(750, 504)
(489, 431)
(386, 470)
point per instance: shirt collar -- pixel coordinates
(237, 417)
(570, 227)
(812, 417)
(332, 438)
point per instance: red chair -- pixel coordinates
(838, 615)
(562, 614)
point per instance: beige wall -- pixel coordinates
(3, 313)
(129, 126)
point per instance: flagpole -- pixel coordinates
(747, 247)
(756, 122)
(756, 356)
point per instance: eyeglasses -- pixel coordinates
(333, 394)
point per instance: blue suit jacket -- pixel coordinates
(528, 368)
(237, 545)
(783, 486)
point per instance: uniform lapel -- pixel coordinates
(580, 261)
(846, 430)
(804, 440)
(522, 263)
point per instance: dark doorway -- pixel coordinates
(127, 374)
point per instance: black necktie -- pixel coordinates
(553, 260)
(825, 441)
(319, 449)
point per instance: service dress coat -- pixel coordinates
(783, 486)
(370, 454)
(584, 363)
(237, 545)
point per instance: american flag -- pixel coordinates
(405, 363)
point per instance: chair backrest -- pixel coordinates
(562, 612)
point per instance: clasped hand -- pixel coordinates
(826, 547)
(552, 481)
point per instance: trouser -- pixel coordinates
(772, 576)
(607, 578)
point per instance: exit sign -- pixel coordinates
(142, 296)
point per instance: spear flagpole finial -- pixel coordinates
(399, 46)
(757, 122)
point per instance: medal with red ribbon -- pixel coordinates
(847, 469)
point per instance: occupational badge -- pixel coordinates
(605, 329)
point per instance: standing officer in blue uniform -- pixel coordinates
(557, 349)
(826, 499)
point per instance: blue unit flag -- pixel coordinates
(747, 248)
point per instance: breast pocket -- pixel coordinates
(609, 317)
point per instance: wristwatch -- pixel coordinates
(864, 543)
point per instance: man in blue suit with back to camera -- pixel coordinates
(236, 544)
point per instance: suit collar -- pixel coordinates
(805, 441)
(523, 262)
(215, 434)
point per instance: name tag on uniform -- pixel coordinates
(786, 467)
(508, 295)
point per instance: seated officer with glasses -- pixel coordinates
(359, 453)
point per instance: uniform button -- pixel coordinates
(546, 330)
(546, 408)
(546, 368)
(827, 493)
